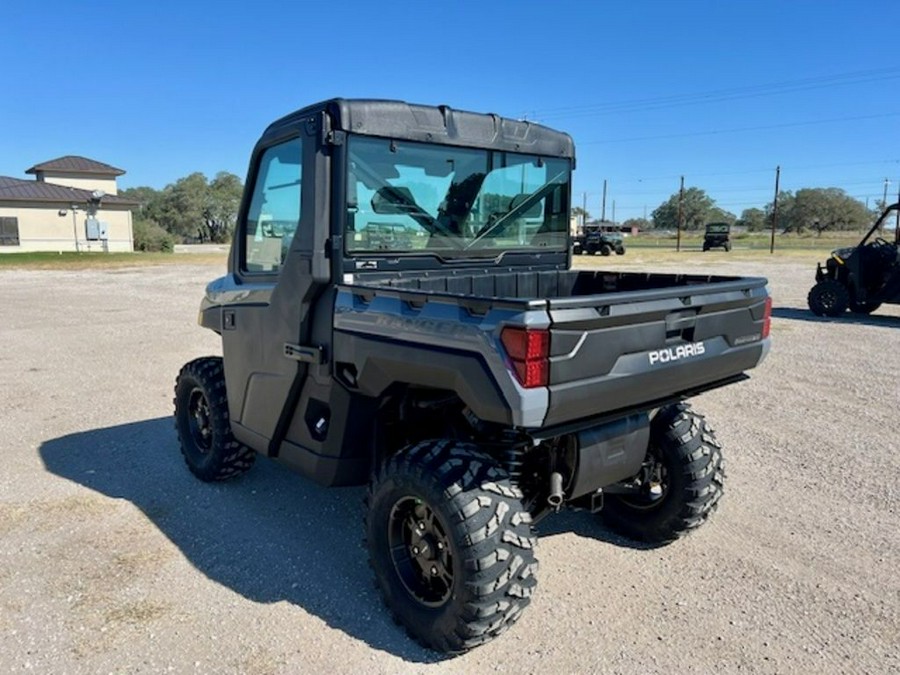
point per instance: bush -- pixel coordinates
(150, 237)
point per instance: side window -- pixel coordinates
(275, 207)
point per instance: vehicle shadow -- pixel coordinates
(269, 535)
(584, 524)
(798, 314)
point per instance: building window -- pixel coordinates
(9, 231)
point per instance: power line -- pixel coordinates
(752, 91)
(767, 170)
(715, 132)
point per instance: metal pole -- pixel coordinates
(884, 199)
(680, 200)
(775, 209)
(583, 209)
(614, 211)
(603, 208)
(897, 226)
(75, 228)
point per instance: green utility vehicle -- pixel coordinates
(594, 239)
(717, 235)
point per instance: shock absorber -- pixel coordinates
(513, 458)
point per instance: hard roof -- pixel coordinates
(76, 164)
(435, 124)
(18, 190)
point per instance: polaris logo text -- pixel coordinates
(676, 353)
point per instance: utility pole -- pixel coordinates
(680, 200)
(583, 210)
(603, 207)
(614, 211)
(884, 199)
(897, 226)
(775, 209)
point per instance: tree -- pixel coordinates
(820, 209)
(753, 219)
(149, 236)
(143, 195)
(581, 214)
(223, 199)
(193, 209)
(695, 209)
(720, 215)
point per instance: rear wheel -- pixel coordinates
(450, 544)
(863, 307)
(828, 298)
(679, 485)
(605, 250)
(201, 420)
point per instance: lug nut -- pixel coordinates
(434, 571)
(421, 526)
(440, 546)
(415, 550)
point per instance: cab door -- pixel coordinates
(269, 313)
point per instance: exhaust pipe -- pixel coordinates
(555, 499)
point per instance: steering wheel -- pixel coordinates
(880, 241)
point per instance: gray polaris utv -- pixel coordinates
(399, 311)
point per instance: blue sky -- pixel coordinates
(718, 91)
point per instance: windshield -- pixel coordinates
(406, 197)
(718, 228)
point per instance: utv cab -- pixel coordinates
(717, 234)
(861, 278)
(595, 240)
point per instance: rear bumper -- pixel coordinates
(634, 380)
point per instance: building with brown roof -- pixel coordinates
(71, 205)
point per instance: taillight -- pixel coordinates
(767, 318)
(529, 351)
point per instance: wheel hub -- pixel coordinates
(420, 551)
(200, 422)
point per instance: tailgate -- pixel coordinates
(626, 349)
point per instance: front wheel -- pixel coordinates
(679, 485)
(450, 543)
(605, 250)
(201, 420)
(829, 297)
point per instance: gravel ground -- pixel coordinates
(114, 559)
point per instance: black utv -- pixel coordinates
(717, 235)
(595, 240)
(863, 277)
(400, 311)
